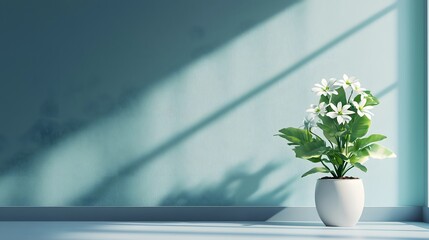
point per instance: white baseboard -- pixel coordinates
(198, 214)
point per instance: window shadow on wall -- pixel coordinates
(74, 63)
(99, 190)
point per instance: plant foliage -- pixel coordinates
(343, 117)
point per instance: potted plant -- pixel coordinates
(343, 115)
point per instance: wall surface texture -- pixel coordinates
(174, 103)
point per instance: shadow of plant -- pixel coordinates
(237, 188)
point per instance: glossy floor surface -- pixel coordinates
(209, 230)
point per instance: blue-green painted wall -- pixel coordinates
(412, 72)
(149, 103)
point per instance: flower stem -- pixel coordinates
(321, 160)
(347, 144)
(332, 145)
(340, 170)
(316, 135)
(351, 93)
(335, 168)
(348, 169)
(338, 143)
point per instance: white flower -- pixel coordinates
(347, 81)
(325, 87)
(340, 112)
(318, 109)
(362, 109)
(310, 121)
(357, 89)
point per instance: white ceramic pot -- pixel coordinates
(339, 202)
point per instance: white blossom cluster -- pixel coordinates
(339, 112)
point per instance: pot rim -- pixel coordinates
(338, 179)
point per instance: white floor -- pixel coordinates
(208, 230)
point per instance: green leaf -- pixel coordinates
(359, 156)
(358, 98)
(316, 170)
(336, 157)
(370, 99)
(314, 160)
(379, 152)
(295, 135)
(360, 166)
(324, 99)
(342, 156)
(363, 142)
(326, 160)
(341, 97)
(329, 128)
(359, 127)
(310, 150)
(328, 132)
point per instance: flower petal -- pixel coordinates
(366, 111)
(347, 106)
(332, 114)
(347, 112)
(333, 107)
(332, 81)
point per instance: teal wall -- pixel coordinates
(412, 85)
(154, 103)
